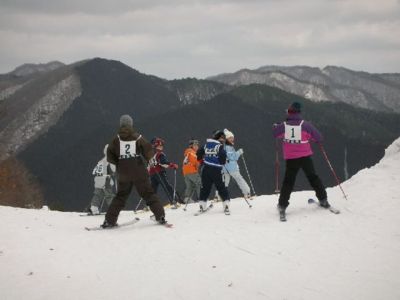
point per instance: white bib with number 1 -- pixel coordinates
(293, 134)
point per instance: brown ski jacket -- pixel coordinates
(129, 151)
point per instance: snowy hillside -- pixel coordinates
(248, 255)
(373, 91)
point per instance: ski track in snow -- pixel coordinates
(247, 255)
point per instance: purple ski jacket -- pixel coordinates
(296, 148)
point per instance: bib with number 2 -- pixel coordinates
(127, 149)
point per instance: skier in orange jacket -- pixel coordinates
(191, 171)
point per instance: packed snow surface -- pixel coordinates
(247, 255)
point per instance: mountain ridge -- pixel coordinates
(332, 83)
(30, 68)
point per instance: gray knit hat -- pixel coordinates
(193, 142)
(126, 121)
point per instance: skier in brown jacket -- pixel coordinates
(130, 152)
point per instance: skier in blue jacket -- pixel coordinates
(231, 168)
(213, 156)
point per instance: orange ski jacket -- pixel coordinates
(190, 162)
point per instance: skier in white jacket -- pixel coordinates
(103, 182)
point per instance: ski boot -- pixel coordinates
(203, 206)
(248, 197)
(174, 205)
(94, 210)
(282, 213)
(107, 225)
(226, 207)
(324, 203)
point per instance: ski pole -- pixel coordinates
(333, 171)
(137, 206)
(247, 201)
(248, 174)
(174, 186)
(101, 205)
(277, 165)
(164, 186)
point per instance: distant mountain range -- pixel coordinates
(12, 81)
(29, 69)
(335, 84)
(56, 123)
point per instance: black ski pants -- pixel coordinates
(144, 190)
(292, 167)
(161, 179)
(212, 175)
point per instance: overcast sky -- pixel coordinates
(184, 38)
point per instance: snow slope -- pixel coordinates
(248, 255)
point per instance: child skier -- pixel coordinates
(103, 182)
(128, 151)
(297, 134)
(231, 168)
(213, 155)
(190, 171)
(158, 175)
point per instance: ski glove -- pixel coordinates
(173, 166)
(240, 151)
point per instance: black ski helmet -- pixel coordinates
(217, 134)
(295, 107)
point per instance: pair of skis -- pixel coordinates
(330, 208)
(226, 212)
(92, 215)
(124, 224)
(282, 214)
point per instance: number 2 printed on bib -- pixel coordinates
(127, 149)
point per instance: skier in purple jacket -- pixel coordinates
(297, 135)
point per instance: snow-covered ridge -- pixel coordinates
(247, 255)
(42, 115)
(336, 84)
(9, 91)
(387, 167)
(393, 151)
(29, 69)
